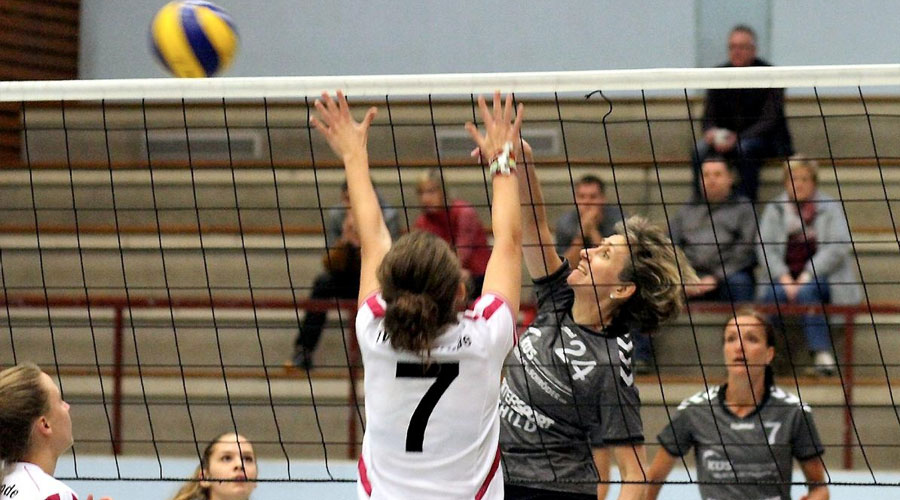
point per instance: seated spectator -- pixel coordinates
(341, 277)
(744, 125)
(457, 223)
(587, 224)
(806, 254)
(718, 234)
(230, 457)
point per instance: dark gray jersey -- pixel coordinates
(568, 389)
(751, 456)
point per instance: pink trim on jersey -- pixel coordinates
(54, 496)
(33, 480)
(363, 476)
(490, 476)
(491, 308)
(374, 305)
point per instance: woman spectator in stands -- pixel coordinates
(227, 471)
(569, 392)
(35, 430)
(456, 222)
(746, 432)
(805, 252)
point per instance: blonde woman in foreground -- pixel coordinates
(35, 430)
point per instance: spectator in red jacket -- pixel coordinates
(457, 222)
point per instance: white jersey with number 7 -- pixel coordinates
(432, 425)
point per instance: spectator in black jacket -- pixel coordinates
(746, 126)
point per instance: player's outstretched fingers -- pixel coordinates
(329, 102)
(517, 125)
(507, 109)
(315, 122)
(485, 114)
(326, 116)
(370, 115)
(476, 136)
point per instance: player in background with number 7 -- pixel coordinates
(747, 432)
(432, 374)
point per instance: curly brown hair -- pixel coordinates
(658, 270)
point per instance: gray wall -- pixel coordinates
(291, 38)
(829, 32)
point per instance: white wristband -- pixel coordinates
(504, 164)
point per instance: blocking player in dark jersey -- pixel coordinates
(746, 433)
(569, 390)
(35, 430)
(432, 375)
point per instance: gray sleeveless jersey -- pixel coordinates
(568, 389)
(749, 457)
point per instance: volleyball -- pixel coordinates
(193, 38)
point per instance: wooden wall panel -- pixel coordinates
(38, 41)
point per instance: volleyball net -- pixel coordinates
(160, 239)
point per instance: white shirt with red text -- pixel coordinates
(27, 481)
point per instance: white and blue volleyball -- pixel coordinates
(193, 38)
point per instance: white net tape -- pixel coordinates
(463, 83)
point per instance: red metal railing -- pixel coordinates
(120, 304)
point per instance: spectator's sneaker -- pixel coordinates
(824, 364)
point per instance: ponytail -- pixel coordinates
(413, 320)
(419, 278)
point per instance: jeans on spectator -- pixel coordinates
(739, 286)
(643, 350)
(746, 157)
(326, 286)
(814, 325)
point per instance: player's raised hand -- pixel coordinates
(498, 123)
(345, 136)
(91, 497)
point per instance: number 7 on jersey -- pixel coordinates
(443, 373)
